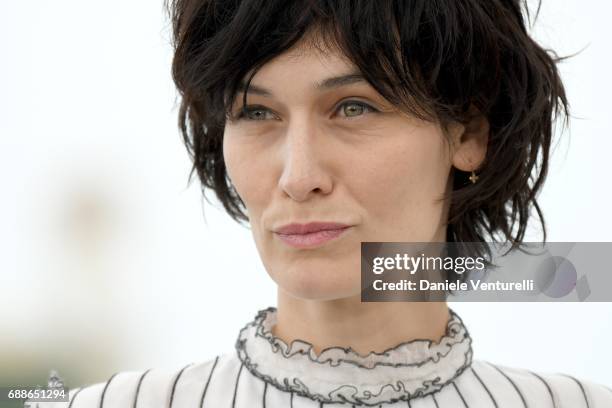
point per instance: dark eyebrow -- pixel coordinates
(326, 84)
(253, 89)
(341, 80)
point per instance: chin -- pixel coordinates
(308, 285)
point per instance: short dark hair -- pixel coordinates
(433, 59)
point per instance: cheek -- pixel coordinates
(231, 152)
(248, 167)
(245, 168)
(400, 182)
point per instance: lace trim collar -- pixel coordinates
(409, 370)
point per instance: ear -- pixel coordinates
(470, 141)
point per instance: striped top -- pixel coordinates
(266, 372)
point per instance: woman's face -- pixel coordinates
(320, 144)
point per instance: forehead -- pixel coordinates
(309, 60)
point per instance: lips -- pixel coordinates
(310, 235)
(301, 229)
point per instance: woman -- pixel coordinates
(325, 124)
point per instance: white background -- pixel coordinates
(106, 260)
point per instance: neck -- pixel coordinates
(364, 327)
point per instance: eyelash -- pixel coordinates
(251, 108)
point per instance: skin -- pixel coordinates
(309, 153)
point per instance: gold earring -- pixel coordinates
(473, 177)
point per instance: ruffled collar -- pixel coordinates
(409, 370)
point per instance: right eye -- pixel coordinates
(254, 112)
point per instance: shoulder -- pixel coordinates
(528, 388)
(156, 387)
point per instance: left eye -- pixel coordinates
(355, 108)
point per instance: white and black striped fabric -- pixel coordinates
(240, 380)
(225, 383)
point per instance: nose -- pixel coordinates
(303, 172)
